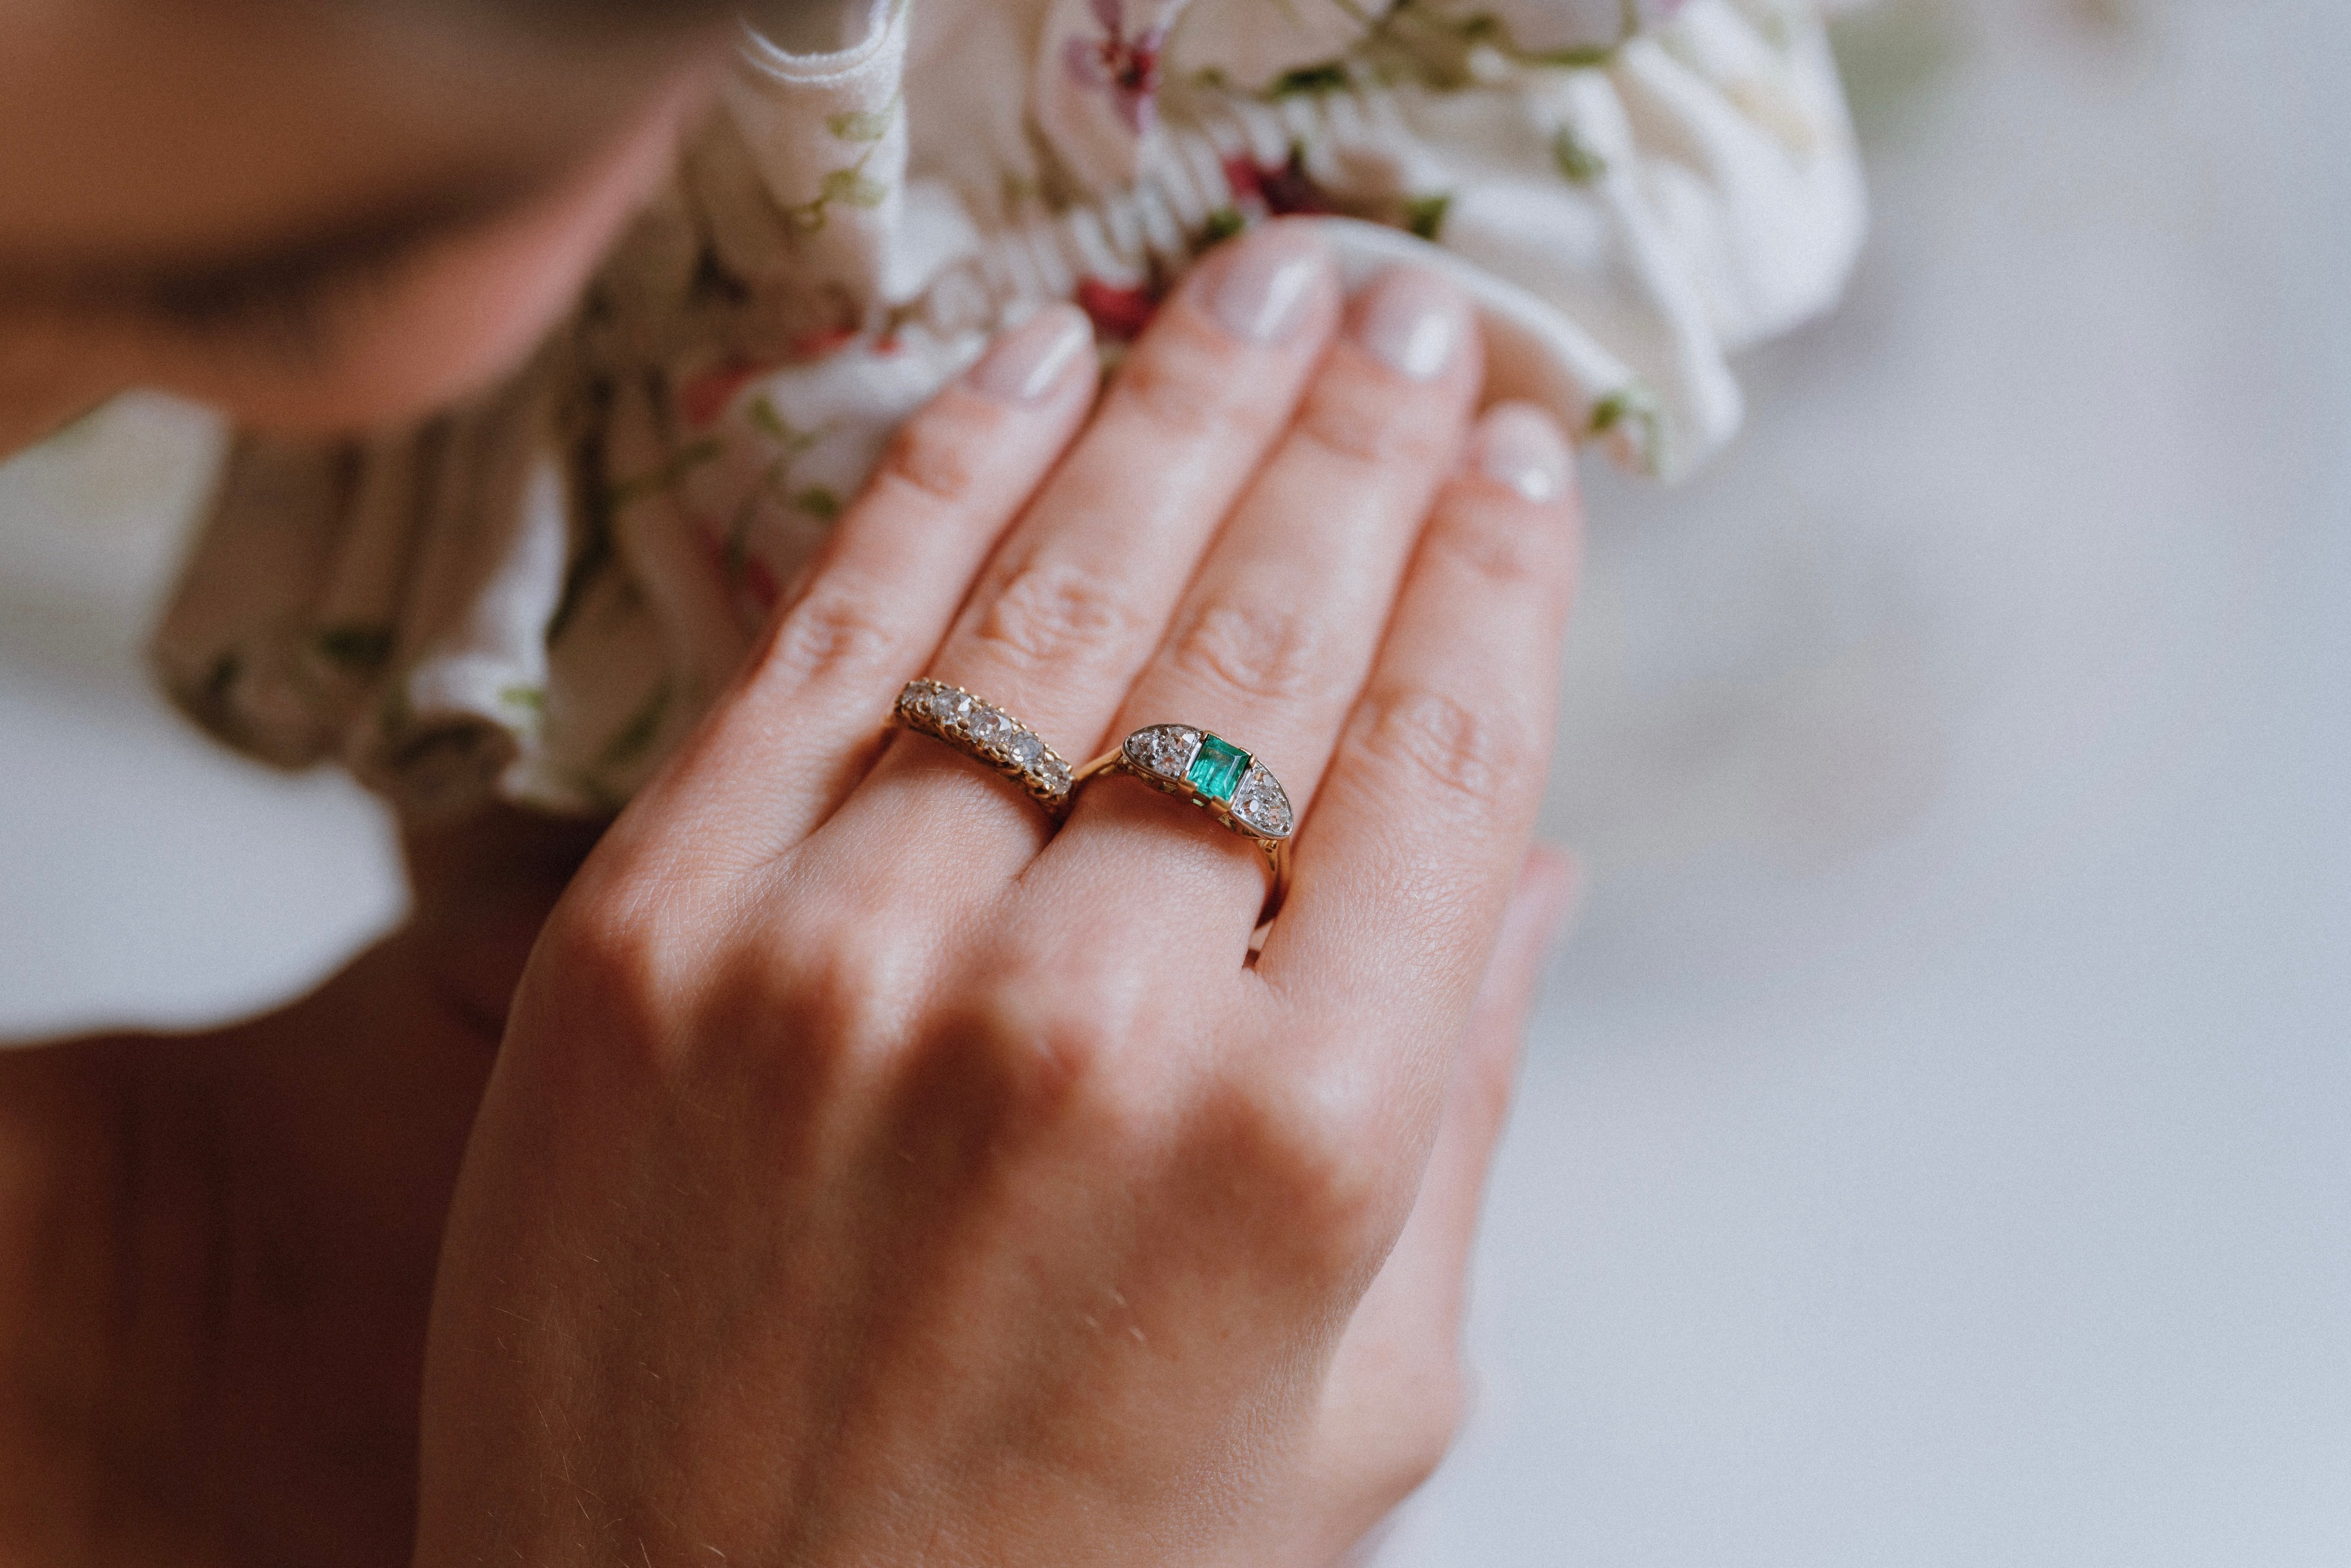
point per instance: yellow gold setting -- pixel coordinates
(986, 734)
(1222, 779)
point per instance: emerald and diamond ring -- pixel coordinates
(1212, 773)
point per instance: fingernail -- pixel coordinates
(1267, 283)
(1030, 360)
(1520, 446)
(1412, 321)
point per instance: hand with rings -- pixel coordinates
(905, 1149)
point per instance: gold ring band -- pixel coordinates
(986, 734)
(1219, 777)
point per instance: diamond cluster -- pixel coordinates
(996, 735)
(1217, 773)
(1259, 805)
(1165, 750)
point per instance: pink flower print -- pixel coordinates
(705, 397)
(1120, 312)
(1283, 190)
(752, 591)
(1127, 69)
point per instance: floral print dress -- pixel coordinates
(534, 597)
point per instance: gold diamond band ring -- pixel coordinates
(1220, 779)
(990, 735)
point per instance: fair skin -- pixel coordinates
(316, 215)
(860, 1170)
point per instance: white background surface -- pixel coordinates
(1936, 1142)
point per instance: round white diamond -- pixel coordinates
(1024, 749)
(1166, 750)
(990, 727)
(946, 705)
(1055, 773)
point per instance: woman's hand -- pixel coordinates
(874, 1174)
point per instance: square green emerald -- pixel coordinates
(1217, 771)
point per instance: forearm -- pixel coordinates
(216, 1255)
(61, 1115)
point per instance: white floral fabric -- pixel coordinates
(535, 596)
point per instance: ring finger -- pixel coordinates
(1275, 636)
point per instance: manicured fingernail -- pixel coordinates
(1521, 447)
(1412, 321)
(1267, 283)
(1030, 360)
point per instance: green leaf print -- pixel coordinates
(851, 186)
(1576, 159)
(862, 124)
(684, 461)
(761, 413)
(818, 502)
(1331, 76)
(1634, 405)
(1435, 45)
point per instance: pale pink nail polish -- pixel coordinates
(1030, 360)
(1412, 321)
(1267, 282)
(1521, 447)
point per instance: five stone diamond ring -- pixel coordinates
(987, 735)
(1220, 779)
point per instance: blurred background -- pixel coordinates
(1935, 1140)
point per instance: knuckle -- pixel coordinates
(1048, 612)
(937, 457)
(849, 991)
(614, 967)
(839, 628)
(1181, 389)
(1306, 1149)
(1364, 423)
(1271, 651)
(615, 948)
(1477, 755)
(1042, 1059)
(1035, 1054)
(1496, 547)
